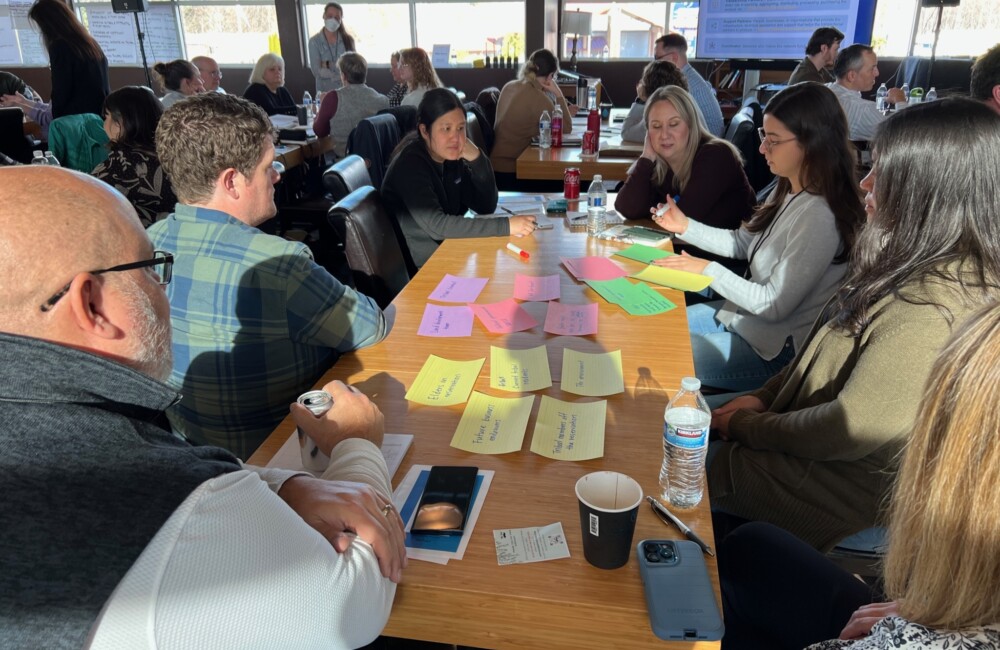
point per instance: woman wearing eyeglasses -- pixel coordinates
(416, 70)
(796, 243)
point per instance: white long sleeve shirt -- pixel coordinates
(236, 567)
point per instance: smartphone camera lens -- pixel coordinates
(667, 552)
(650, 547)
(652, 557)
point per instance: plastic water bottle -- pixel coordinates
(685, 443)
(592, 98)
(606, 54)
(38, 158)
(906, 93)
(50, 159)
(597, 207)
(931, 95)
(557, 126)
(307, 101)
(545, 130)
(881, 97)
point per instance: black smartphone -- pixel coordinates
(679, 595)
(444, 505)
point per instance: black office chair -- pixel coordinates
(13, 142)
(344, 176)
(742, 132)
(374, 139)
(371, 244)
(406, 117)
(474, 132)
(485, 126)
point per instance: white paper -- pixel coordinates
(284, 121)
(394, 446)
(523, 545)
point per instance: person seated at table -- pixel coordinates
(267, 86)
(399, 87)
(211, 76)
(436, 176)
(11, 84)
(180, 79)
(797, 244)
(655, 75)
(36, 110)
(416, 70)
(130, 118)
(941, 569)
(814, 449)
(521, 103)
(342, 109)
(256, 320)
(147, 541)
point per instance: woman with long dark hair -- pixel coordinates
(327, 46)
(78, 65)
(438, 175)
(179, 79)
(131, 115)
(814, 450)
(797, 244)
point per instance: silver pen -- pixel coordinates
(665, 515)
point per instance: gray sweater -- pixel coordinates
(354, 103)
(792, 273)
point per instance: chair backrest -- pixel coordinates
(742, 132)
(485, 125)
(487, 100)
(370, 244)
(79, 141)
(406, 117)
(374, 139)
(474, 132)
(345, 176)
(13, 141)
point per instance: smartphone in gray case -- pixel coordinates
(679, 595)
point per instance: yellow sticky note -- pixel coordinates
(594, 375)
(493, 425)
(519, 370)
(674, 279)
(569, 430)
(442, 382)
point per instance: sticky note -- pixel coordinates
(569, 430)
(674, 279)
(592, 374)
(536, 288)
(443, 382)
(593, 268)
(493, 425)
(614, 291)
(643, 300)
(444, 320)
(641, 253)
(455, 289)
(519, 370)
(504, 317)
(571, 320)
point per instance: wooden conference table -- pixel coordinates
(556, 604)
(612, 161)
(293, 154)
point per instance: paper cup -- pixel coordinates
(609, 505)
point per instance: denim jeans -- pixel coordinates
(723, 359)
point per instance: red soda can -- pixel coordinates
(590, 142)
(571, 183)
(594, 120)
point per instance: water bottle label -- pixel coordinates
(596, 202)
(688, 438)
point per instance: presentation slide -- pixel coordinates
(776, 29)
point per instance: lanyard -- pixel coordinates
(767, 233)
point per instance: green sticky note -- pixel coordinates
(643, 300)
(614, 291)
(641, 253)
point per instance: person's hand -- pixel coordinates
(640, 91)
(573, 109)
(470, 152)
(682, 262)
(673, 219)
(548, 83)
(520, 226)
(343, 510)
(14, 100)
(353, 415)
(722, 415)
(647, 149)
(866, 617)
(896, 96)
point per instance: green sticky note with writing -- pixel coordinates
(641, 253)
(643, 300)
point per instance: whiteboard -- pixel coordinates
(20, 44)
(117, 35)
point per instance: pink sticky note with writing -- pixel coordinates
(593, 268)
(571, 320)
(455, 289)
(536, 288)
(444, 320)
(504, 317)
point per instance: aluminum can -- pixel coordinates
(318, 402)
(590, 142)
(571, 183)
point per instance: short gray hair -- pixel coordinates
(354, 67)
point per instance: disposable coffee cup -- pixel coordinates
(609, 505)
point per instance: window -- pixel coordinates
(619, 30)
(966, 30)
(229, 32)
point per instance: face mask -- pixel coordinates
(332, 24)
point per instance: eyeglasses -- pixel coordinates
(162, 263)
(771, 144)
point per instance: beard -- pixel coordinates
(152, 354)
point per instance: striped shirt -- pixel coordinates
(256, 322)
(862, 116)
(704, 97)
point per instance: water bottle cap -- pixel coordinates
(598, 178)
(37, 152)
(691, 384)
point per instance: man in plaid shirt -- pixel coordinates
(255, 320)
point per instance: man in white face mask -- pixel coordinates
(327, 46)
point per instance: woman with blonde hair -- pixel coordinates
(520, 104)
(416, 71)
(267, 86)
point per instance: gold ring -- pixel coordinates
(387, 509)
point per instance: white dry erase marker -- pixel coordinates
(514, 249)
(662, 211)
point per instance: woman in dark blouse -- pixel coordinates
(78, 65)
(267, 86)
(131, 115)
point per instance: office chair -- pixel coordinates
(345, 176)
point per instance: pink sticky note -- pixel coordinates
(593, 268)
(504, 317)
(536, 288)
(443, 320)
(455, 289)
(571, 320)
